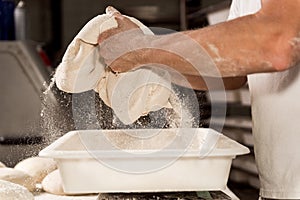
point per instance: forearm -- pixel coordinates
(235, 47)
(262, 42)
(266, 41)
(208, 83)
(246, 47)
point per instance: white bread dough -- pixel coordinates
(37, 167)
(81, 66)
(2, 165)
(52, 183)
(131, 95)
(18, 177)
(12, 191)
(134, 94)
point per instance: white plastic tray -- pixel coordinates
(144, 160)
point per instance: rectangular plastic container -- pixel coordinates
(144, 160)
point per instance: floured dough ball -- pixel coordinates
(2, 165)
(37, 167)
(52, 183)
(18, 177)
(12, 191)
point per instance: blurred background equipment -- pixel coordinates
(22, 81)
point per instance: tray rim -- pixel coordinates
(52, 152)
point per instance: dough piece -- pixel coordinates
(82, 69)
(12, 191)
(18, 177)
(2, 165)
(37, 167)
(52, 183)
(136, 93)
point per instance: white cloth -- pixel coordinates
(276, 124)
(130, 95)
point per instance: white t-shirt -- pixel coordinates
(276, 123)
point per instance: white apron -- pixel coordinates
(275, 99)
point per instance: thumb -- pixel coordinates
(112, 11)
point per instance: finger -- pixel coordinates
(124, 24)
(112, 11)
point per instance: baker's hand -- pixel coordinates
(118, 46)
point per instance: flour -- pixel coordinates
(12, 191)
(131, 95)
(296, 48)
(58, 119)
(100, 99)
(214, 49)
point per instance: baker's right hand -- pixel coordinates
(118, 45)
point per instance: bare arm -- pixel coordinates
(209, 83)
(263, 42)
(266, 41)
